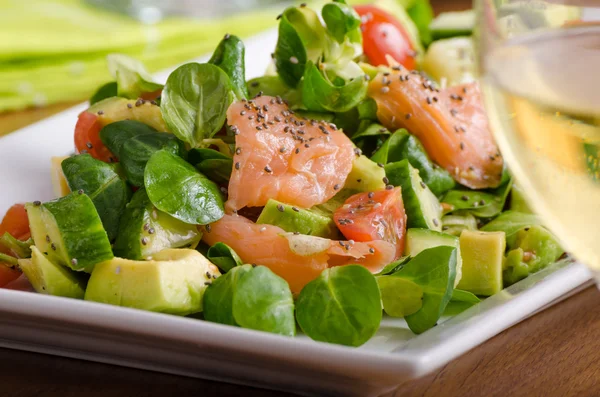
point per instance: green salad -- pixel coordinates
(358, 177)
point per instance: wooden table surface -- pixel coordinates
(555, 353)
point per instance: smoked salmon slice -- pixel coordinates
(451, 124)
(284, 157)
(298, 259)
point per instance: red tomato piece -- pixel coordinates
(384, 35)
(87, 137)
(15, 222)
(374, 216)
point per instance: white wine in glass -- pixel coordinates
(539, 63)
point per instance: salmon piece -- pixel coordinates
(271, 246)
(280, 156)
(451, 124)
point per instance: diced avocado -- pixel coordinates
(59, 183)
(454, 224)
(423, 210)
(366, 175)
(533, 249)
(173, 281)
(292, 219)
(69, 229)
(452, 60)
(517, 200)
(418, 240)
(450, 24)
(144, 230)
(118, 109)
(49, 278)
(482, 256)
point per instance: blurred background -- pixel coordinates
(53, 52)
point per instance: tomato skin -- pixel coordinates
(384, 35)
(87, 137)
(374, 216)
(16, 223)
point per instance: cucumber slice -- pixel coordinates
(451, 24)
(49, 278)
(144, 230)
(418, 240)
(70, 231)
(454, 224)
(423, 210)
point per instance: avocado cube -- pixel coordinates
(482, 258)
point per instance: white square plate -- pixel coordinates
(196, 348)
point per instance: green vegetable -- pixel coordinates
(114, 135)
(367, 110)
(402, 145)
(454, 224)
(343, 305)
(263, 301)
(108, 90)
(451, 24)
(253, 298)
(144, 230)
(22, 249)
(421, 14)
(341, 21)
(195, 101)
(218, 299)
(215, 165)
(400, 297)
(535, 249)
(177, 188)
(434, 270)
(50, 278)
(70, 231)
(9, 261)
(224, 257)
(461, 301)
(481, 203)
(132, 78)
(230, 56)
(274, 86)
(451, 60)
(394, 266)
(517, 200)
(371, 130)
(137, 150)
(510, 222)
(423, 210)
(301, 39)
(319, 94)
(103, 184)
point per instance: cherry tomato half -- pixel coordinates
(87, 137)
(374, 216)
(384, 35)
(15, 223)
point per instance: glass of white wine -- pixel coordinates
(539, 63)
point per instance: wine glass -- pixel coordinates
(539, 63)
